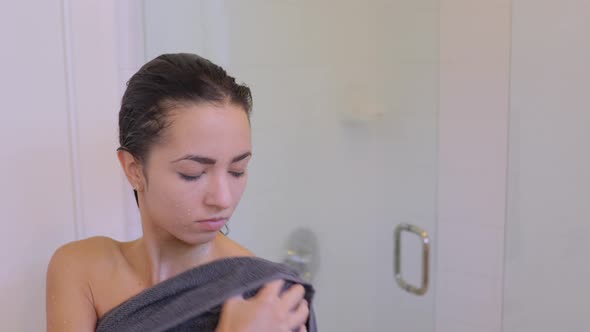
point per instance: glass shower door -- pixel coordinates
(344, 135)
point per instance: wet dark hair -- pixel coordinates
(167, 80)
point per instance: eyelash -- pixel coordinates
(189, 178)
(194, 178)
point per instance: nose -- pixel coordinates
(218, 192)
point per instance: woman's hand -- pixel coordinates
(268, 311)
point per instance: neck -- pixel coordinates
(158, 257)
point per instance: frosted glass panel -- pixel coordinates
(344, 136)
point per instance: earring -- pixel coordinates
(226, 230)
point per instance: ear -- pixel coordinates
(132, 168)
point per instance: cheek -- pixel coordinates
(171, 199)
(239, 188)
(180, 210)
(184, 204)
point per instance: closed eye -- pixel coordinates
(188, 177)
(237, 174)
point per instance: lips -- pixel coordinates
(214, 224)
(213, 219)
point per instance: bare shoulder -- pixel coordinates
(230, 248)
(70, 302)
(78, 261)
(88, 251)
(86, 259)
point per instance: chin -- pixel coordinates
(197, 238)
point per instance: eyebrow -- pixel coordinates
(210, 161)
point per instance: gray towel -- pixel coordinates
(192, 300)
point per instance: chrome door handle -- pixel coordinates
(425, 258)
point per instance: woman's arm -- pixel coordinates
(68, 297)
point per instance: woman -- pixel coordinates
(185, 146)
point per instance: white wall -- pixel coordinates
(96, 100)
(36, 193)
(547, 268)
(59, 173)
(131, 55)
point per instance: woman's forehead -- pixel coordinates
(208, 128)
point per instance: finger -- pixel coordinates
(271, 289)
(301, 303)
(300, 316)
(235, 299)
(291, 297)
